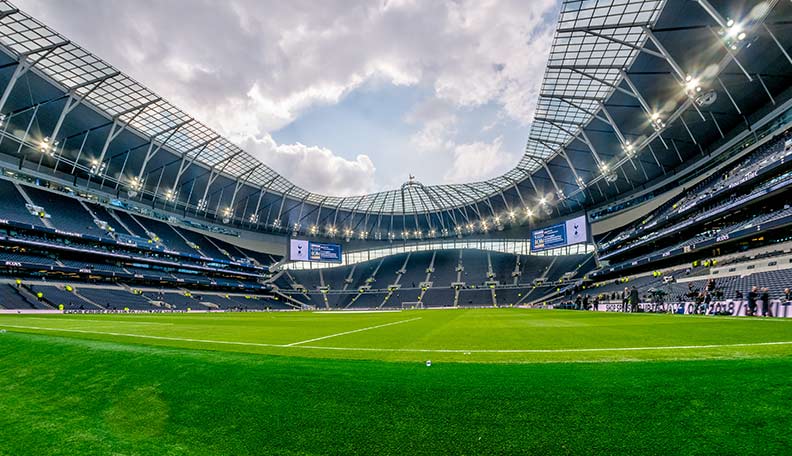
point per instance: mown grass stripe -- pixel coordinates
(402, 350)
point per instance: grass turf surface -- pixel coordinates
(99, 389)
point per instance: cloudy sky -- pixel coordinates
(342, 97)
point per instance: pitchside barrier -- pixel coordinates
(778, 308)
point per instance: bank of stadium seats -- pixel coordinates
(362, 271)
(503, 267)
(368, 300)
(510, 296)
(205, 247)
(56, 296)
(25, 257)
(475, 297)
(115, 298)
(12, 205)
(91, 265)
(262, 258)
(475, 264)
(178, 300)
(102, 214)
(233, 251)
(439, 297)
(569, 263)
(387, 271)
(66, 213)
(309, 279)
(339, 300)
(533, 266)
(415, 271)
(334, 277)
(167, 235)
(14, 297)
(132, 225)
(445, 268)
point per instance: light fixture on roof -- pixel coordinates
(609, 175)
(512, 215)
(227, 214)
(135, 185)
(313, 229)
(202, 204)
(444, 232)
(171, 195)
(96, 167)
(3, 118)
(331, 230)
(276, 223)
(377, 236)
(692, 85)
(431, 233)
(253, 218)
(362, 234)
(580, 182)
(405, 234)
(46, 146)
(529, 212)
(629, 149)
(561, 194)
(484, 226)
(391, 236)
(296, 228)
(657, 121)
(733, 34)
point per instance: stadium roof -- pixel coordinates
(630, 87)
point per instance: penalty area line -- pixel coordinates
(351, 332)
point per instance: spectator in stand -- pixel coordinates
(787, 295)
(595, 304)
(586, 302)
(753, 295)
(578, 302)
(765, 296)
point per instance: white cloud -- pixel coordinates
(477, 161)
(250, 67)
(315, 168)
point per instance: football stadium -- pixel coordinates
(622, 287)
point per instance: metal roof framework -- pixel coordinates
(579, 140)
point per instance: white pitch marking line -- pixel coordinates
(351, 332)
(408, 350)
(560, 350)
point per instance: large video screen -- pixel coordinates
(304, 250)
(572, 231)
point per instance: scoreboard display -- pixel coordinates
(322, 252)
(569, 232)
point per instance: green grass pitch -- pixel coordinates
(502, 381)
